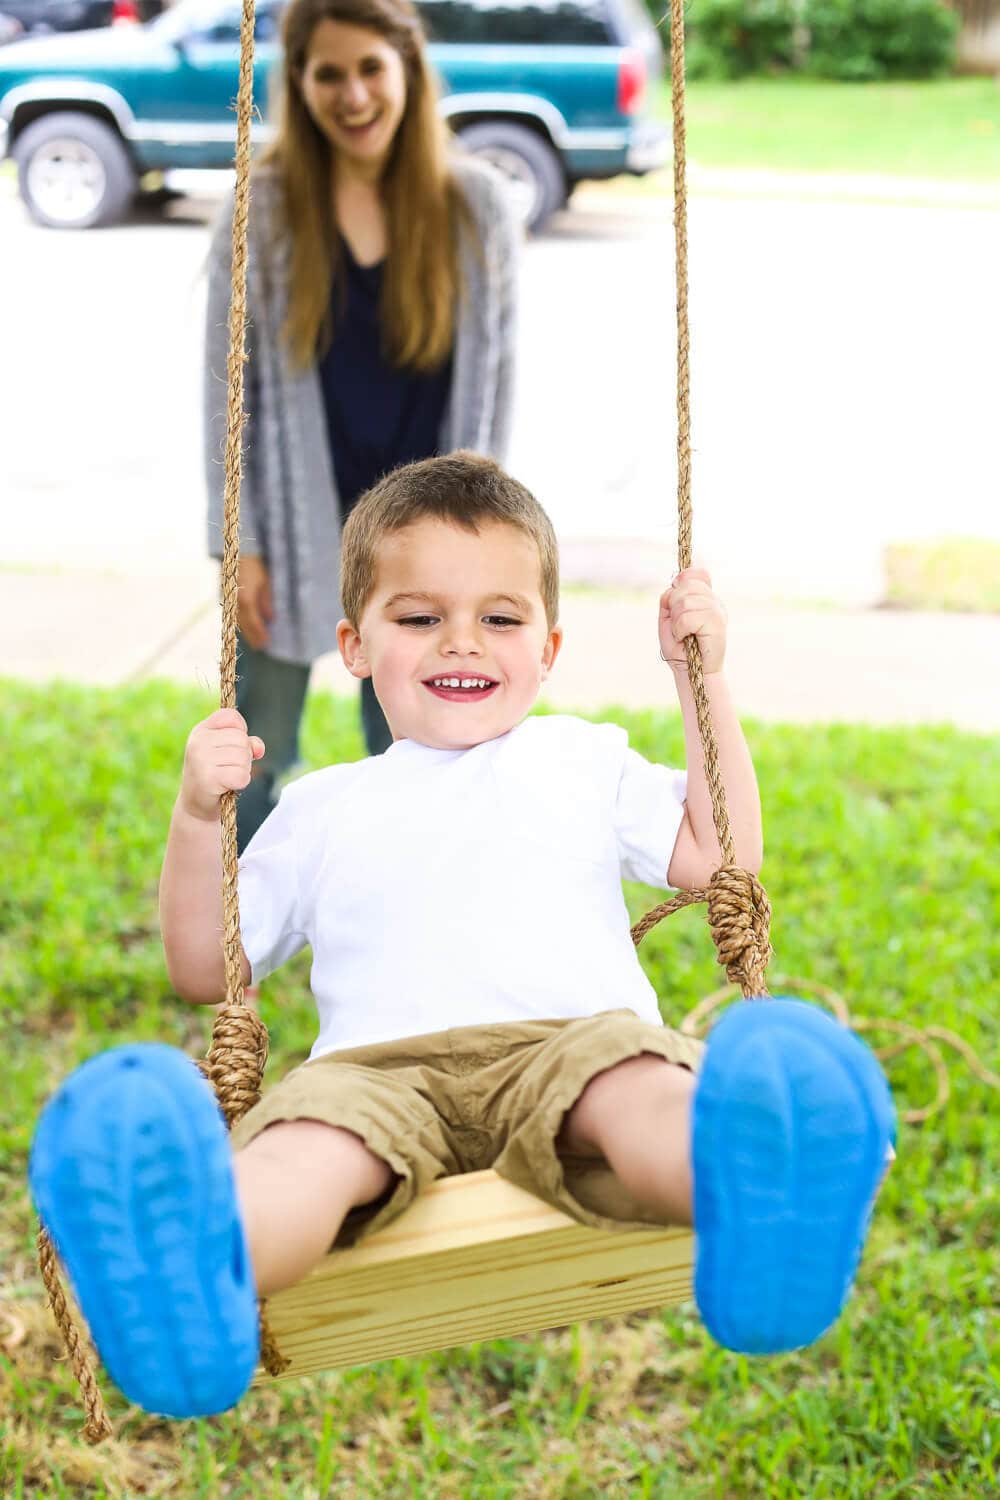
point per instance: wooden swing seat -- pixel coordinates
(475, 1257)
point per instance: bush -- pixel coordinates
(856, 40)
(860, 40)
(732, 38)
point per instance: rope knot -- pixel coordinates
(739, 915)
(235, 1062)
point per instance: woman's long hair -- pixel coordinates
(424, 207)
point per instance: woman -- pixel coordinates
(381, 290)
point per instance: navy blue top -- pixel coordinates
(378, 415)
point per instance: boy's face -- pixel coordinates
(452, 604)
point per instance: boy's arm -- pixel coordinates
(689, 608)
(218, 759)
(696, 852)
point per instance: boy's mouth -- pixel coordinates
(465, 689)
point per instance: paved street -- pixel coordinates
(844, 383)
(843, 394)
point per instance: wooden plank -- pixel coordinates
(473, 1258)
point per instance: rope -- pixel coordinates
(739, 912)
(925, 1038)
(96, 1426)
(739, 917)
(238, 1051)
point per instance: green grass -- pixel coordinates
(883, 873)
(948, 128)
(958, 573)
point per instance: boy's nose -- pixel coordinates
(461, 637)
(461, 645)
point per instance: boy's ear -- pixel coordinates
(551, 650)
(351, 650)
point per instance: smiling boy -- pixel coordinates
(480, 1002)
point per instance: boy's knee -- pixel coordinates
(311, 1146)
(619, 1088)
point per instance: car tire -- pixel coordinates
(528, 161)
(74, 171)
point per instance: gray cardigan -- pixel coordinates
(289, 508)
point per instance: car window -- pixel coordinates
(635, 21)
(219, 21)
(571, 22)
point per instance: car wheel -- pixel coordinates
(530, 164)
(74, 172)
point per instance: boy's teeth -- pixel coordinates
(460, 682)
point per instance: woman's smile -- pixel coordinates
(357, 125)
(354, 86)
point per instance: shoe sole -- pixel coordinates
(131, 1173)
(791, 1128)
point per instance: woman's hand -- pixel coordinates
(253, 604)
(689, 607)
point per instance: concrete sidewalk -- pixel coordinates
(786, 663)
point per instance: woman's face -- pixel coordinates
(354, 87)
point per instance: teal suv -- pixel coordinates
(551, 91)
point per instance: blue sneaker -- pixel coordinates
(131, 1173)
(791, 1128)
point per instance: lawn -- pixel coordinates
(882, 870)
(948, 128)
(961, 573)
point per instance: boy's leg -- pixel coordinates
(773, 1146)
(165, 1233)
(775, 1153)
(296, 1183)
(637, 1116)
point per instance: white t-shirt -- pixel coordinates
(446, 888)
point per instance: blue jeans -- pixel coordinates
(270, 694)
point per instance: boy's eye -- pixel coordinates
(501, 620)
(419, 620)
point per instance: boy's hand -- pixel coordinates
(690, 608)
(217, 759)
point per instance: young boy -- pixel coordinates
(480, 1001)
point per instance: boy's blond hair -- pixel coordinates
(464, 489)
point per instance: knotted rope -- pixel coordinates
(739, 913)
(238, 1051)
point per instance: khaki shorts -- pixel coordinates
(482, 1096)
